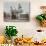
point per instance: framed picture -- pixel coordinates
(18, 11)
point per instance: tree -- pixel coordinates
(20, 8)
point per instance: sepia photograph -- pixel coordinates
(18, 11)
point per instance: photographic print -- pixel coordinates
(16, 11)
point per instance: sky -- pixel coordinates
(25, 6)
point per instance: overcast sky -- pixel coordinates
(25, 6)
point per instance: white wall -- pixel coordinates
(25, 28)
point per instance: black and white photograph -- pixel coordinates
(18, 11)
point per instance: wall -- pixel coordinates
(25, 28)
